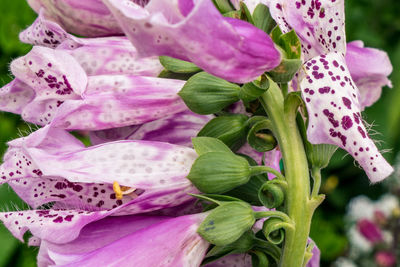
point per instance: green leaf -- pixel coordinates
(219, 172)
(204, 144)
(223, 5)
(230, 129)
(177, 65)
(276, 34)
(286, 70)
(263, 19)
(291, 44)
(204, 93)
(227, 223)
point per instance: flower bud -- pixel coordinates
(231, 130)
(219, 172)
(226, 223)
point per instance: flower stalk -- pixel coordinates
(298, 205)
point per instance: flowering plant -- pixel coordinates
(270, 88)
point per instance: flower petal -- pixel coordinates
(176, 129)
(15, 96)
(318, 23)
(238, 260)
(369, 69)
(45, 32)
(334, 113)
(228, 48)
(172, 242)
(89, 18)
(117, 100)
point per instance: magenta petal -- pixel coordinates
(228, 48)
(170, 243)
(334, 113)
(89, 18)
(176, 129)
(45, 33)
(15, 96)
(369, 69)
(116, 101)
(110, 55)
(315, 259)
(318, 23)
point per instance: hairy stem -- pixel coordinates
(297, 203)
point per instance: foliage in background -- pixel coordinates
(375, 22)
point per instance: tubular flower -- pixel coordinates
(228, 48)
(51, 86)
(97, 56)
(51, 165)
(331, 96)
(88, 18)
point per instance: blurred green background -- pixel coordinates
(377, 23)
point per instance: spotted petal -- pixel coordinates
(178, 129)
(334, 113)
(15, 96)
(318, 23)
(369, 69)
(229, 48)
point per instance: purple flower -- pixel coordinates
(51, 86)
(195, 31)
(88, 18)
(328, 89)
(97, 56)
(370, 231)
(176, 129)
(51, 165)
(129, 241)
(385, 259)
(369, 69)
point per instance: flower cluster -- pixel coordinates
(127, 199)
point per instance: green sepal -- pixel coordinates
(273, 229)
(245, 13)
(216, 199)
(242, 245)
(177, 65)
(172, 75)
(271, 195)
(251, 91)
(262, 18)
(219, 172)
(227, 223)
(205, 144)
(204, 93)
(286, 70)
(291, 56)
(230, 129)
(320, 155)
(260, 136)
(232, 14)
(223, 6)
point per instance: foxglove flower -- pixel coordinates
(51, 165)
(97, 56)
(370, 231)
(369, 69)
(176, 129)
(128, 241)
(88, 18)
(331, 96)
(51, 86)
(228, 48)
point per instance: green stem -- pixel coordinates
(256, 170)
(297, 176)
(316, 175)
(272, 213)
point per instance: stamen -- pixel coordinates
(120, 191)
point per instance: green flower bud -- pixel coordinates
(271, 195)
(219, 172)
(231, 130)
(273, 229)
(263, 19)
(204, 93)
(227, 223)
